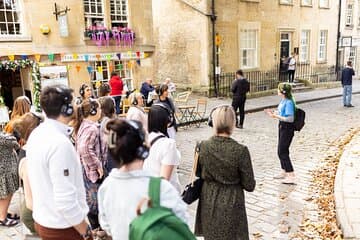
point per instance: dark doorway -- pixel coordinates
(284, 49)
(9, 80)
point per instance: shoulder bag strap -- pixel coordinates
(154, 191)
(195, 164)
(155, 139)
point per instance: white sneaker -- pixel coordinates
(280, 176)
(289, 180)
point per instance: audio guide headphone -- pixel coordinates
(142, 151)
(210, 121)
(168, 110)
(162, 89)
(82, 89)
(93, 107)
(67, 108)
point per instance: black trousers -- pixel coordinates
(238, 102)
(94, 220)
(286, 134)
(291, 75)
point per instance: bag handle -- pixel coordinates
(142, 201)
(154, 191)
(195, 164)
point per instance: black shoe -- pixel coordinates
(350, 105)
(239, 126)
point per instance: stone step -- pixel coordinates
(301, 89)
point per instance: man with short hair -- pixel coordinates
(239, 88)
(145, 89)
(346, 81)
(55, 174)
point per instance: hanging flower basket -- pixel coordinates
(123, 37)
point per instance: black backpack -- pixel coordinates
(299, 121)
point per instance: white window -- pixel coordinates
(349, 15)
(286, 1)
(119, 13)
(304, 45)
(248, 48)
(322, 45)
(323, 3)
(352, 55)
(94, 13)
(10, 22)
(306, 2)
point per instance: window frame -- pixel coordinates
(322, 46)
(304, 56)
(121, 15)
(321, 5)
(253, 50)
(18, 13)
(304, 4)
(352, 55)
(349, 15)
(90, 17)
(286, 2)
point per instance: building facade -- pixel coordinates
(255, 35)
(74, 42)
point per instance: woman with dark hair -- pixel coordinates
(163, 93)
(104, 90)
(85, 93)
(285, 113)
(128, 184)
(91, 149)
(164, 157)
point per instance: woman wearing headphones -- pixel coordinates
(163, 93)
(22, 105)
(85, 93)
(91, 149)
(285, 113)
(225, 166)
(164, 157)
(128, 184)
(136, 111)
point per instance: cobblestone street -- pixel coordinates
(272, 202)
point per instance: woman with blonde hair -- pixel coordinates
(22, 105)
(225, 166)
(136, 111)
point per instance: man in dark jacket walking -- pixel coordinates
(346, 81)
(239, 88)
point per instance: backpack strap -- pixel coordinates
(155, 139)
(154, 191)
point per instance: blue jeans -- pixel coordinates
(117, 100)
(347, 94)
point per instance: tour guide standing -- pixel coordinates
(239, 88)
(55, 176)
(117, 87)
(346, 81)
(285, 113)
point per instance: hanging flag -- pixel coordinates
(138, 54)
(75, 56)
(111, 68)
(146, 55)
(37, 57)
(51, 57)
(138, 62)
(89, 69)
(86, 57)
(108, 57)
(68, 67)
(97, 56)
(11, 57)
(129, 64)
(120, 66)
(100, 69)
(78, 67)
(119, 56)
(24, 57)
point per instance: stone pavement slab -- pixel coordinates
(347, 190)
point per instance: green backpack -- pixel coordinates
(157, 222)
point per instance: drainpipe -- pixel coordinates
(213, 21)
(338, 42)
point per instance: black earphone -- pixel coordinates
(38, 117)
(142, 151)
(67, 108)
(82, 89)
(210, 121)
(93, 107)
(135, 101)
(168, 110)
(162, 89)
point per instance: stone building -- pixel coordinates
(350, 33)
(74, 42)
(254, 34)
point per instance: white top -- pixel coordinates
(292, 64)
(163, 151)
(120, 194)
(137, 114)
(55, 177)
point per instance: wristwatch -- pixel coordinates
(88, 234)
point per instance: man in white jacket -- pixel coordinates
(55, 175)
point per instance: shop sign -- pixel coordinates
(63, 26)
(51, 75)
(92, 57)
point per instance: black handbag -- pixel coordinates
(192, 190)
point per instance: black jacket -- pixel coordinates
(240, 87)
(346, 76)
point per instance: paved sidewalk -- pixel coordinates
(347, 190)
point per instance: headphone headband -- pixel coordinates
(210, 121)
(66, 108)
